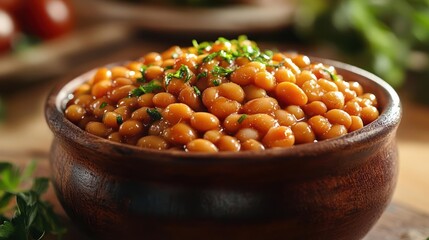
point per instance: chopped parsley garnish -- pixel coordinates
(333, 76)
(146, 88)
(216, 82)
(154, 114)
(226, 56)
(201, 47)
(143, 69)
(119, 120)
(201, 75)
(183, 73)
(219, 71)
(169, 67)
(197, 91)
(241, 119)
(103, 105)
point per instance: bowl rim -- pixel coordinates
(61, 127)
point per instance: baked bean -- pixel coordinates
(265, 80)
(182, 133)
(279, 137)
(153, 72)
(261, 105)
(75, 113)
(284, 75)
(228, 143)
(213, 135)
(296, 111)
(303, 133)
(290, 94)
(338, 116)
(244, 75)
(221, 97)
(231, 91)
(102, 74)
(223, 107)
(247, 133)
(163, 99)
(177, 112)
(336, 130)
(251, 92)
(121, 92)
(115, 137)
(153, 142)
(314, 108)
(357, 124)
(131, 128)
(312, 90)
(369, 114)
(304, 76)
(189, 97)
(119, 71)
(334, 99)
(98, 129)
(101, 88)
(252, 145)
(319, 124)
(146, 100)
(201, 145)
(203, 121)
(285, 118)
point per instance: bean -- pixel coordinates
(119, 71)
(319, 124)
(334, 99)
(75, 113)
(163, 99)
(244, 75)
(357, 124)
(213, 135)
(231, 91)
(98, 129)
(202, 121)
(279, 137)
(223, 107)
(146, 100)
(315, 108)
(284, 75)
(247, 133)
(228, 143)
(304, 76)
(303, 133)
(252, 145)
(261, 105)
(336, 130)
(296, 111)
(338, 116)
(369, 114)
(290, 94)
(177, 112)
(153, 72)
(189, 97)
(201, 145)
(252, 92)
(265, 80)
(115, 137)
(121, 92)
(101, 88)
(131, 128)
(182, 133)
(284, 118)
(101, 74)
(153, 142)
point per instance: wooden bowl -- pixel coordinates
(333, 189)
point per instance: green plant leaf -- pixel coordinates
(6, 230)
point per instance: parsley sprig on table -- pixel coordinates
(23, 215)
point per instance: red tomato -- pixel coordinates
(9, 5)
(8, 30)
(46, 19)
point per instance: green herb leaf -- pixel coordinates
(333, 76)
(216, 82)
(201, 75)
(103, 105)
(219, 71)
(146, 88)
(197, 91)
(119, 120)
(143, 69)
(241, 119)
(183, 73)
(154, 114)
(6, 230)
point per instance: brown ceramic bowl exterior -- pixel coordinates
(334, 189)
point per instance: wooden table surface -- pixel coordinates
(24, 136)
